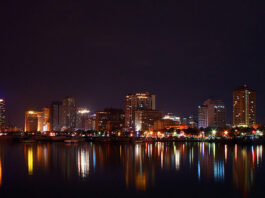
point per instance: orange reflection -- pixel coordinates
(30, 161)
(140, 181)
(243, 171)
(140, 162)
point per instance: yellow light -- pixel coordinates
(30, 161)
(214, 132)
(83, 111)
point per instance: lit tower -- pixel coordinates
(244, 107)
(69, 113)
(31, 121)
(56, 116)
(82, 118)
(2, 113)
(212, 114)
(135, 102)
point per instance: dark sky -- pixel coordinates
(184, 51)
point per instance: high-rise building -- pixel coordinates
(244, 107)
(31, 121)
(91, 122)
(56, 116)
(81, 119)
(101, 120)
(2, 113)
(116, 119)
(68, 113)
(110, 119)
(212, 114)
(46, 126)
(144, 119)
(37, 120)
(134, 102)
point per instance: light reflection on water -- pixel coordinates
(142, 164)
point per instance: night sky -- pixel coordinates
(184, 51)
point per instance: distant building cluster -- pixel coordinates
(213, 112)
(139, 114)
(65, 115)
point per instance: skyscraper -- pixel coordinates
(69, 113)
(110, 119)
(2, 113)
(56, 116)
(46, 126)
(31, 121)
(37, 120)
(144, 119)
(134, 102)
(82, 118)
(244, 107)
(212, 114)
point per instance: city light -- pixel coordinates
(213, 132)
(31, 112)
(83, 111)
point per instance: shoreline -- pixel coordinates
(130, 140)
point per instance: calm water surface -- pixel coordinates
(128, 170)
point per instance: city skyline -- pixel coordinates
(228, 114)
(132, 98)
(184, 52)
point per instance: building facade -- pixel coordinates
(91, 122)
(2, 113)
(31, 121)
(68, 113)
(46, 125)
(37, 121)
(56, 116)
(110, 119)
(166, 124)
(144, 119)
(134, 102)
(212, 114)
(244, 107)
(82, 118)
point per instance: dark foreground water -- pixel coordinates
(127, 170)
